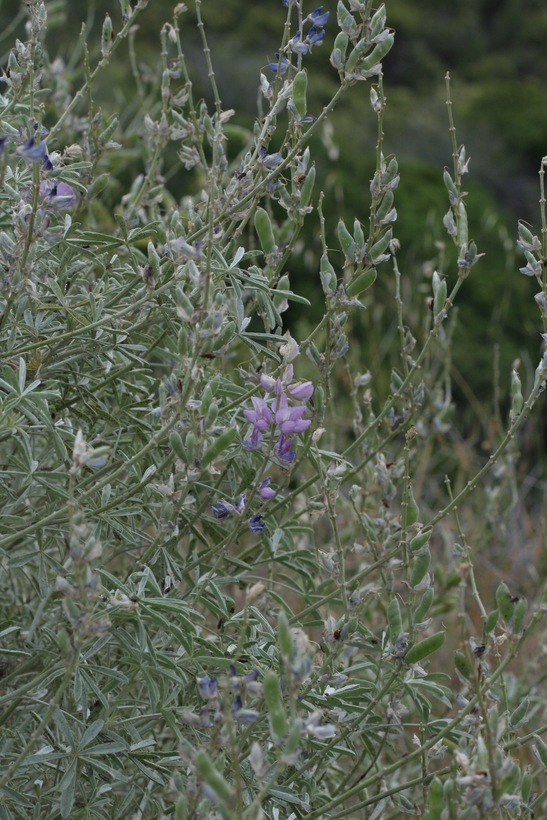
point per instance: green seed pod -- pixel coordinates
(213, 778)
(377, 22)
(125, 7)
(345, 19)
(218, 446)
(106, 36)
(449, 183)
(210, 416)
(153, 258)
(362, 282)
(424, 606)
(356, 55)
(435, 792)
(394, 620)
(411, 511)
(406, 805)
(181, 808)
(419, 541)
(177, 445)
(526, 786)
(384, 207)
(276, 711)
(284, 637)
(327, 275)
(226, 334)
(346, 240)
(378, 53)
(264, 230)
(463, 236)
(185, 308)
(190, 446)
(505, 601)
(183, 341)
(463, 665)
(516, 395)
(299, 91)
(64, 644)
(319, 399)
(439, 293)
(540, 750)
(294, 737)
(491, 621)
(449, 791)
(381, 244)
(527, 238)
(396, 380)
(425, 648)
(307, 188)
(206, 399)
(518, 716)
(358, 234)
(348, 628)
(98, 185)
(520, 611)
(391, 171)
(338, 54)
(419, 567)
(108, 132)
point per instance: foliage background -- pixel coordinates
(495, 53)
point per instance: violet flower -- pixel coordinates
(302, 391)
(281, 66)
(283, 448)
(319, 17)
(289, 419)
(208, 687)
(261, 416)
(265, 491)
(256, 524)
(58, 195)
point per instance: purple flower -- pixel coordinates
(261, 416)
(253, 442)
(222, 509)
(207, 687)
(319, 17)
(302, 391)
(265, 491)
(256, 524)
(298, 45)
(59, 195)
(34, 152)
(289, 418)
(241, 503)
(268, 383)
(281, 66)
(315, 36)
(283, 448)
(272, 160)
(3, 141)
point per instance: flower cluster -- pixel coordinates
(277, 414)
(303, 43)
(223, 509)
(238, 689)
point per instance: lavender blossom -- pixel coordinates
(318, 17)
(289, 418)
(265, 491)
(281, 66)
(256, 524)
(58, 195)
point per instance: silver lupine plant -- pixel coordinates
(234, 584)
